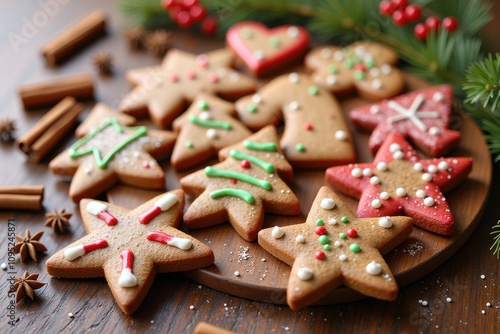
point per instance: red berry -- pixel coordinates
(209, 25)
(197, 12)
(386, 8)
(450, 23)
(169, 4)
(245, 164)
(412, 13)
(398, 18)
(174, 12)
(421, 31)
(320, 255)
(400, 4)
(352, 233)
(183, 19)
(187, 4)
(320, 230)
(433, 22)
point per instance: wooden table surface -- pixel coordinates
(167, 309)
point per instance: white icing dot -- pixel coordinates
(432, 169)
(205, 116)
(394, 148)
(304, 274)
(331, 80)
(382, 166)
(293, 31)
(377, 84)
(340, 135)
(259, 54)
(337, 244)
(367, 172)
(384, 195)
(342, 257)
(294, 105)
(300, 239)
(373, 268)
(434, 131)
(376, 203)
(426, 177)
(420, 193)
(293, 77)
(375, 72)
(438, 97)
(332, 221)
(374, 180)
(385, 222)
(326, 53)
(327, 203)
(256, 98)
(357, 172)
(443, 165)
(212, 134)
(360, 50)
(401, 192)
(429, 201)
(386, 69)
(374, 110)
(398, 155)
(338, 56)
(418, 167)
(277, 232)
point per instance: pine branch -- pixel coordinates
(496, 237)
(146, 13)
(483, 83)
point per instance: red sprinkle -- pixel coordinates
(213, 78)
(174, 78)
(308, 126)
(245, 164)
(320, 255)
(360, 67)
(320, 230)
(145, 164)
(234, 181)
(191, 75)
(352, 233)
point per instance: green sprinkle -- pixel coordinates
(189, 144)
(252, 108)
(274, 42)
(203, 105)
(357, 59)
(344, 219)
(342, 236)
(320, 222)
(333, 69)
(370, 63)
(327, 247)
(349, 63)
(355, 248)
(323, 240)
(359, 75)
(313, 90)
(300, 147)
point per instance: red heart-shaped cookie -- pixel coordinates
(264, 50)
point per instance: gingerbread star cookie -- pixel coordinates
(111, 150)
(334, 247)
(265, 51)
(423, 116)
(205, 128)
(164, 91)
(366, 67)
(128, 247)
(316, 134)
(242, 187)
(398, 182)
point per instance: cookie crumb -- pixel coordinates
(483, 277)
(191, 307)
(425, 303)
(152, 321)
(448, 299)
(263, 260)
(488, 304)
(71, 315)
(483, 312)
(3, 266)
(414, 248)
(237, 274)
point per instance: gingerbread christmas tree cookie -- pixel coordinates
(164, 91)
(128, 247)
(316, 134)
(366, 67)
(423, 116)
(242, 187)
(334, 247)
(398, 182)
(112, 150)
(205, 128)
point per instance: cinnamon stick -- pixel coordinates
(21, 197)
(50, 129)
(75, 37)
(79, 86)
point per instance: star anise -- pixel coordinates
(135, 38)
(158, 42)
(58, 220)
(7, 128)
(29, 245)
(103, 62)
(25, 285)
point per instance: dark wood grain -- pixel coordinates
(167, 306)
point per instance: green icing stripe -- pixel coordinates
(238, 155)
(241, 194)
(103, 162)
(215, 172)
(251, 145)
(210, 124)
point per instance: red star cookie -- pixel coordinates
(312, 115)
(165, 90)
(423, 116)
(398, 182)
(128, 247)
(205, 128)
(366, 67)
(333, 247)
(265, 51)
(243, 187)
(111, 151)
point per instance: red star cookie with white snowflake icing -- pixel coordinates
(242, 187)
(128, 247)
(423, 116)
(398, 182)
(334, 247)
(111, 150)
(205, 128)
(366, 67)
(163, 91)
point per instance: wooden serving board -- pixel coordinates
(264, 278)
